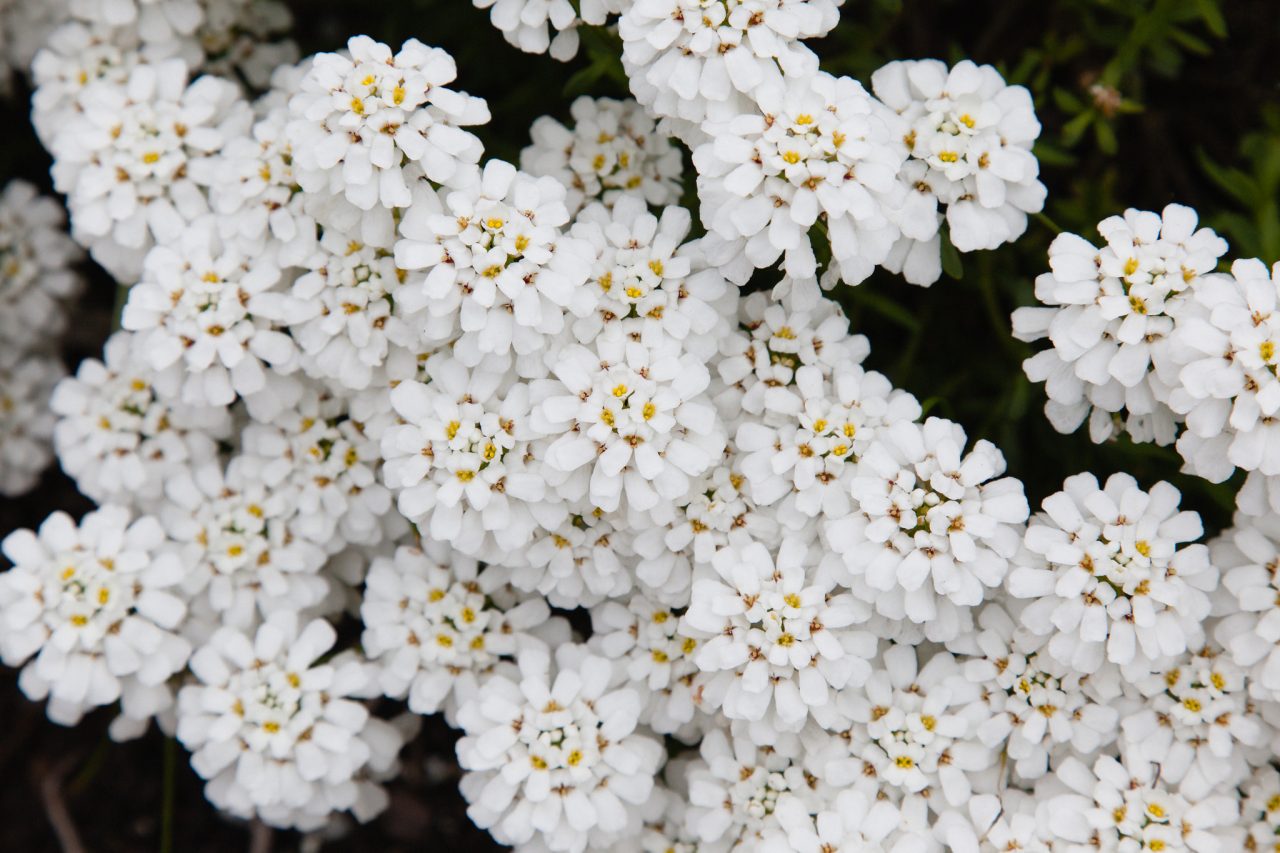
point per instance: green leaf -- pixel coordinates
(951, 263)
(1212, 17)
(887, 308)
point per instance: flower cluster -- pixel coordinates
(380, 403)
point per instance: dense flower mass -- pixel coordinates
(580, 455)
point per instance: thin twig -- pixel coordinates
(168, 794)
(55, 806)
(259, 837)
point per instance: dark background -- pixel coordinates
(1188, 112)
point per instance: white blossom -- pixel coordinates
(971, 135)
(27, 381)
(279, 735)
(554, 751)
(437, 624)
(817, 155)
(612, 149)
(94, 608)
(932, 530)
(366, 125)
(1113, 579)
(121, 432)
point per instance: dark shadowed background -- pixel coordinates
(1143, 102)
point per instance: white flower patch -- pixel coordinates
(195, 308)
(237, 538)
(1196, 723)
(67, 64)
(1126, 806)
(914, 732)
(279, 735)
(341, 311)
(1260, 810)
(94, 609)
(1038, 708)
(587, 557)
(808, 461)
(121, 432)
(36, 279)
(697, 59)
(932, 529)
(629, 419)
(556, 754)
(972, 134)
(317, 452)
(817, 155)
(124, 162)
(1228, 389)
(365, 126)
(643, 636)
(778, 639)
(649, 280)
(1116, 581)
(1248, 555)
(497, 265)
(1108, 314)
(735, 787)
(254, 191)
(27, 381)
(436, 625)
(612, 150)
(466, 462)
(542, 26)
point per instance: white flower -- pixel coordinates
(340, 312)
(27, 381)
(1111, 582)
(360, 121)
(556, 753)
(529, 24)
(1228, 389)
(1038, 707)
(777, 638)
(613, 149)
(466, 461)
(243, 556)
(1260, 810)
(642, 636)
(121, 433)
(436, 624)
(914, 730)
(36, 254)
(973, 133)
(648, 281)
(1249, 556)
(1108, 314)
(73, 58)
(277, 734)
(1197, 720)
(816, 155)
(759, 365)
(124, 161)
(699, 59)
(497, 265)
(629, 418)
(93, 607)
(195, 307)
(931, 530)
(256, 195)
(736, 785)
(852, 821)
(804, 451)
(1126, 806)
(585, 558)
(315, 450)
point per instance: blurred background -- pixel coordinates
(1143, 102)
